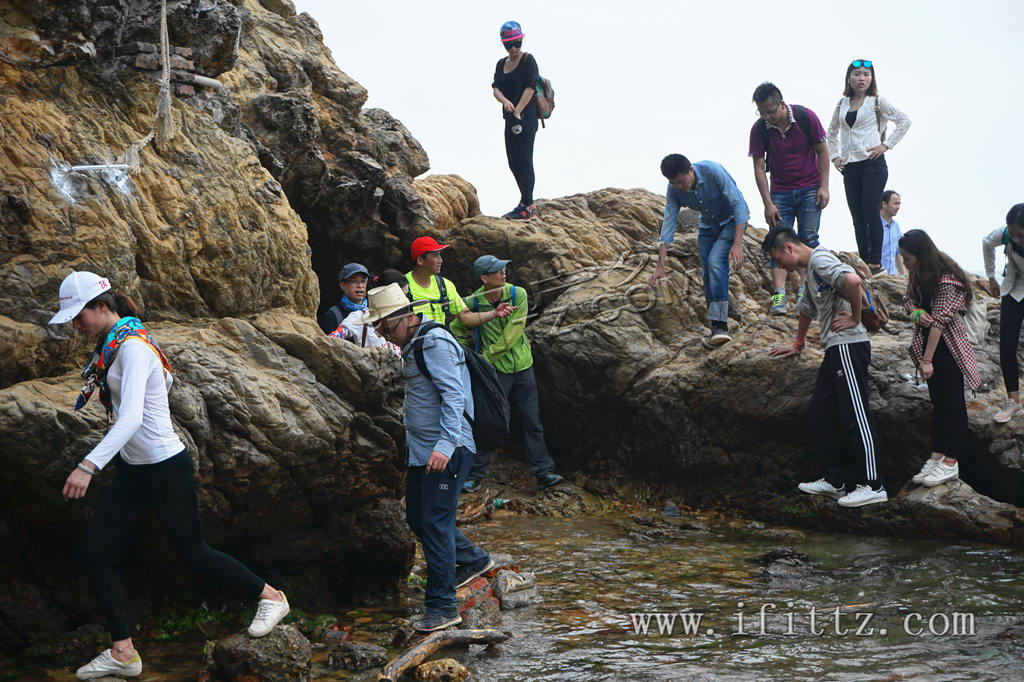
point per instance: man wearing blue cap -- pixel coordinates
(352, 281)
(503, 343)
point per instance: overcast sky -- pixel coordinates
(638, 79)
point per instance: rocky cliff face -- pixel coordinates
(230, 236)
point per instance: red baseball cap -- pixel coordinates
(422, 245)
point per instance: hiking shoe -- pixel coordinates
(863, 495)
(464, 575)
(925, 470)
(531, 211)
(719, 333)
(547, 480)
(822, 487)
(778, 303)
(520, 212)
(1010, 409)
(268, 614)
(470, 486)
(105, 665)
(940, 473)
(876, 270)
(434, 620)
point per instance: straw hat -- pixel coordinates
(385, 301)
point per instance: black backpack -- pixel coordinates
(490, 406)
(802, 120)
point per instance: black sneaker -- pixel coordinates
(520, 212)
(547, 480)
(464, 575)
(471, 486)
(435, 619)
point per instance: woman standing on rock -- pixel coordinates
(1011, 305)
(515, 80)
(133, 377)
(857, 143)
(937, 296)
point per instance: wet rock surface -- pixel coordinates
(281, 656)
(442, 670)
(356, 656)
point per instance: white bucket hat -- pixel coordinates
(387, 300)
(76, 290)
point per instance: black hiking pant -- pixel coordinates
(1011, 315)
(169, 489)
(842, 431)
(949, 413)
(864, 182)
(519, 136)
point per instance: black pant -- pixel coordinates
(519, 150)
(1011, 314)
(838, 413)
(864, 182)
(949, 407)
(168, 488)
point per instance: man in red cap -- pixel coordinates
(444, 302)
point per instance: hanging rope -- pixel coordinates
(163, 127)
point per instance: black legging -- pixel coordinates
(864, 182)
(949, 407)
(1011, 314)
(519, 150)
(168, 487)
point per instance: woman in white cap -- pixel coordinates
(133, 377)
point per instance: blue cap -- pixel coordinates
(511, 30)
(487, 265)
(352, 269)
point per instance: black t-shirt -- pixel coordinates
(512, 84)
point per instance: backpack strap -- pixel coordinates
(803, 121)
(421, 362)
(476, 332)
(443, 300)
(762, 130)
(878, 120)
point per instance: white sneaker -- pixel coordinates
(822, 487)
(1010, 409)
(925, 470)
(863, 495)
(105, 665)
(268, 614)
(941, 473)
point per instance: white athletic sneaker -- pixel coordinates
(863, 495)
(105, 665)
(925, 470)
(822, 487)
(268, 614)
(1010, 409)
(941, 473)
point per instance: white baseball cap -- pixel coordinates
(76, 290)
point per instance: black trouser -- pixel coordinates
(1011, 314)
(840, 420)
(519, 150)
(169, 489)
(949, 413)
(864, 182)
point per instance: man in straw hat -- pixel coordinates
(441, 449)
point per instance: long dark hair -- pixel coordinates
(116, 302)
(872, 89)
(932, 264)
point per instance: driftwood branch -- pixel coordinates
(417, 654)
(485, 508)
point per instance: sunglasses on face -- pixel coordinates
(866, 63)
(513, 44)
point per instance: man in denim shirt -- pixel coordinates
(707, 188)
(440, 443)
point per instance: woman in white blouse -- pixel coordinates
(1011, 305)
(857, 143)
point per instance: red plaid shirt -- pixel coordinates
(947, 310)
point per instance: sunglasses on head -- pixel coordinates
(866, 63)
(514, 43)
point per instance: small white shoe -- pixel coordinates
(822, 487)
(929, 464)
(863, 495)
(105, 665)
(268, 614)
(1010, 409)
(941, 473)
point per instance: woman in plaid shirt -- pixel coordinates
(937, 296)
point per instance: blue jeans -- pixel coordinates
(430, 505)
(521, 390)
(798, 207)
(713, 244)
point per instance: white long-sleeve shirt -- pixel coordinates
(1013, 275)
(142, 430)
(852, 144)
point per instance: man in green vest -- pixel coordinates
(503, 343)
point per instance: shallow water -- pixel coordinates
(596, 571)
